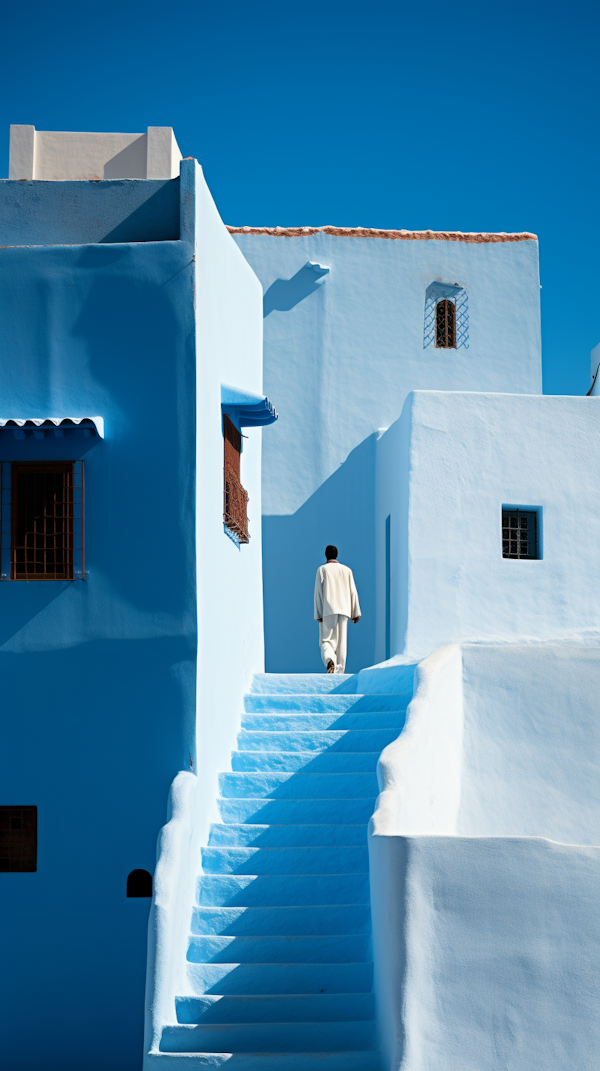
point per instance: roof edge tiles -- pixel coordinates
(39, 425)
(371, 232)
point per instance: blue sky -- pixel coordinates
(467, 117)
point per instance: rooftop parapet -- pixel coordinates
(62, 155)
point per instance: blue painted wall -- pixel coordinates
(74, 213)
(96, 675)
(104, 698)
(340, 356)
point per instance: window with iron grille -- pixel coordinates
(18, 839)
(235, 504)
(519, 533)
(438, 297)
(42, 520)
(445, 325)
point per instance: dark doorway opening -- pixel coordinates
(139, 883)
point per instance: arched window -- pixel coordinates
(139, 883)
(445, 325)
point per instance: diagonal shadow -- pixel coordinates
(283, 294)
(342, 512)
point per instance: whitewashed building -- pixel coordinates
(396, 869)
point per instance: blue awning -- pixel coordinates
(250, 410)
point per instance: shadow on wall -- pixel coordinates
(341, 512)
(283, 294)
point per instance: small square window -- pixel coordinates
(42, 520)
(18, 839)
(520, 536)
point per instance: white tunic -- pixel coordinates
(335, 591)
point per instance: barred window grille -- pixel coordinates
(437, 314)
(235, 497)
(42, 520)
(445, 325)
(519, 534)
(18, 839)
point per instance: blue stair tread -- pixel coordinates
(324, 860)
(258, 1061)
(281, 890)
(305, 761)
(253, 810)
(302, 721)
(279, 957)
(325, 704)
(317, 740)
(299, 920)
(270, 1037)
(240, 979)
(319, 683)
(225, 834)
(297, 785)
(342, 948)
(312, 1007)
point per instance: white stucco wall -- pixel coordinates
(485, 865)
(227, 299)
(468, 455)
(60, 155)
(342, 352)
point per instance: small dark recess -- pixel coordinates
(139, 883)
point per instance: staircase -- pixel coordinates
(280, 951)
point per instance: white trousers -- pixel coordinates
(332, 640)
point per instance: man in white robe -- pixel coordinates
(336, 599)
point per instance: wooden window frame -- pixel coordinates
(235, 497)
(70, 541)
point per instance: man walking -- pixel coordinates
(336, 599)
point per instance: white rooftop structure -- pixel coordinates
(56, 155)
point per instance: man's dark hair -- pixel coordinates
(330, 552)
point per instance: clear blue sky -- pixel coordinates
(474, 116)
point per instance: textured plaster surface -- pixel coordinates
(62, 155)
(342, 352)
(485, 865)
(108, 714)
(444, 482)
(227, 336)
(97, 675)
(82, 213)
